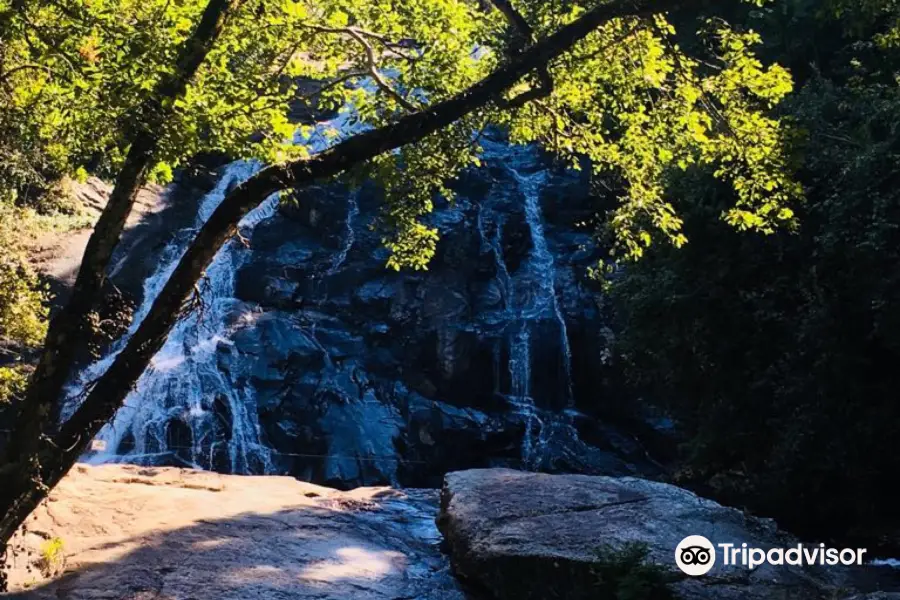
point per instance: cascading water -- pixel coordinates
(206, 399)
(349, 236)
(545, 267)
(183, 400)
(520, 388)
(529, 296)
(184, 406)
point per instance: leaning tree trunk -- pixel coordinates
(39, 411)
(44, 395)
(57, 455)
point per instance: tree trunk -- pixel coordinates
(39, 412)
(55, 457)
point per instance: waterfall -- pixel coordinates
(520, 388)
(234, 174)
(545, 265)
(349, 236)
(528, 294)
(184, 406)
(197, 405)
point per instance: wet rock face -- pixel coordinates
(417, 373)
(316, 361)
(162, 213)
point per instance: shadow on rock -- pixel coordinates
(168, 534)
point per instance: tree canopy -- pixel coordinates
(628, 98)
(136, 89)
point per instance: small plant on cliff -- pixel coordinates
(12, 383)
(625, 574)
(52, 558)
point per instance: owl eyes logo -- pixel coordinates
(695, 555)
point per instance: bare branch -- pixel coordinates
(520, 26)
(362, 36)
(347, 30)
(376, 74)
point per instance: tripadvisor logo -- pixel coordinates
(695, 555)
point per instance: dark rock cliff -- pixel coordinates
(307, 356)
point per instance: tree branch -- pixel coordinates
(347, 30)
(376, 74)
(39, 412)
(518, 23)
(523, 35)
(360, 36)
(23, 67)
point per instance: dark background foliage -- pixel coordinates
(777, 355)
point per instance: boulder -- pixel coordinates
(537, 536)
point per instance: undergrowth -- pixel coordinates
(625, 574)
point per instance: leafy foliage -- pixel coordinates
(75, 76)
(23, 311)
(12, 383)
(775, 353)
(640, 108)
(628, 98)
(23, 297)
(52, 559)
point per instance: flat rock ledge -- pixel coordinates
(534, 536)
(122, 532)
